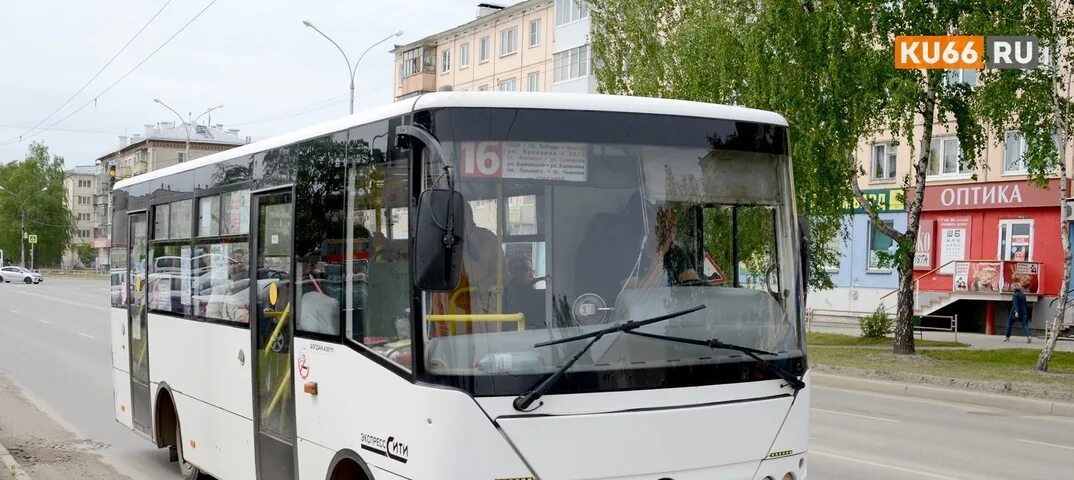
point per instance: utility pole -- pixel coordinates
(352, 71)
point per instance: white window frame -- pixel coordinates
(962, 75)
(570, 11)
(484, 49)
(445, 61)
(888, 161)
(535, 33)
(533, 82)
(869, 268)
(836, 244)
(180, 156)
(483, 88)
(509, 41)
(1021, 139)
(568, 64)
(1004, 232)
(411, 64)
(512, 82)
(940, 173)
(464, 56)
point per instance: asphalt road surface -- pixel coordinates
(56, 346)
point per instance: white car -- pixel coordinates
(19, 274)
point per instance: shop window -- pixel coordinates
(881, 248)
(1016, 240)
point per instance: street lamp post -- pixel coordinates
(352, 71)
(22, 226)
(186, 157)
(210, 112)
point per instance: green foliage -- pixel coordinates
(46, 212)
(876, 325)
(86, 253)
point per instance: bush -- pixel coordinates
(876, 324)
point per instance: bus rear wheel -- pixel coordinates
(186, 469)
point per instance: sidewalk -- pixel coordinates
(43, 449)
(975, 340)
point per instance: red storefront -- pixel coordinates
(997, 230)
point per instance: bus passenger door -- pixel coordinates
(141, 409)
(273, 331)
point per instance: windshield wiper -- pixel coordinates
(526, 399)
(791, 379)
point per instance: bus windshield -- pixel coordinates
(579, 220)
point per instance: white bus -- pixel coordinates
(470, 286)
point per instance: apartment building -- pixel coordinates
(163, 144)
(981, 231)
(535, 45)
(79, 185)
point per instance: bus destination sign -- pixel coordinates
(564, 162)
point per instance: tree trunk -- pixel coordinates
(904, 326)
(1061, 120)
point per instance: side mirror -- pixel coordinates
(438, 240)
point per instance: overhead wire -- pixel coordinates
(95, 75)
(125, 75)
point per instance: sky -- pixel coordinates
(272, 74)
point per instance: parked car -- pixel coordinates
(19, 274)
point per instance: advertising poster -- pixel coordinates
(1026, 274)
(925, 240)
(954, 241)
(962, 275)
(1019, 248)
(985, 277)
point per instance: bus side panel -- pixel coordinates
(223, 443)
(429, 432)
(207, 367)
(121, 396)
(121, 379)
(314, 460)
(120, 358)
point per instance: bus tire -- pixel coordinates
(188, 470)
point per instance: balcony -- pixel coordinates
(417, 71)
(417, 84)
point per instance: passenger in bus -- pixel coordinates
(481, 264)
(521, 294)
(318, 312)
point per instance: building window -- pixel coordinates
(835, 246)
(967, 76)
(1014, 150)
(1016, 240)
(445, 61)
(483, 49)
(411, 62)
(508, 41)
(535, 32)
(533, 81)
(180, 156)
(464, 55)
(884, 161)
(483, 88)
(570, 10)
(509, 85)
(84, 233)
(945, 157)
(881, 248)
(571, 64)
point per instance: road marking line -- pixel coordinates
(1045, 444)
(882, 465)
(42, 320)
(85, 335)
(856, 415)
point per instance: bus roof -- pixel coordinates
(534, 100)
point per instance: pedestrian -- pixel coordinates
(1020, 312)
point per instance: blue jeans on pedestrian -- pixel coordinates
(1010, 324)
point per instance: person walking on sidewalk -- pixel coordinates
(1019, 311)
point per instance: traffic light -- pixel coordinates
(111, 175)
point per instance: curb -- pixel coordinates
(1007, 402)
(11, 465)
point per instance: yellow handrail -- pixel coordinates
(279, 327)
(453, 318)
(286, 381)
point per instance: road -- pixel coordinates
(56, 346)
